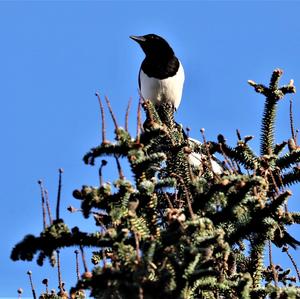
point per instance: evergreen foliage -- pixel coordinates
(177, 231)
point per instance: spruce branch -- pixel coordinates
(273, 95)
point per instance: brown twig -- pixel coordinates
(48, 207)
(77, 264)
(60, 285)
(103, 129)
(286, 249)
(31, 284)
(127, 114)
(238, 134)
(275, 276)
(121, 174)
(138, 129)
(103, 163)
(186, 193)
(58, 193)
(208, 153)
(228, 161)
(168, 200)
(111, 113)
(292, 122)
(83, 259)
(43, 203)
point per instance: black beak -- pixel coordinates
(138, 39)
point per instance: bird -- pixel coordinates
(161, 75)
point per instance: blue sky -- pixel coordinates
(55, 55)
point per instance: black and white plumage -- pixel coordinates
(161, 75)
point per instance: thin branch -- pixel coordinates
(48, 207)
(286, 249)
(84, 260)
(168, 200)
(208, 153)
(121, 174)
(60, 285)
(43, 203)
(127, 114)
(58, 193)
(138, 130)
(292, 121)
(31, 284)
(102, 118)
(77, 264)
(186, 194)
(111, 113)
(275, 276)
(103, 163)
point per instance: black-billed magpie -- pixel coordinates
(161, 75)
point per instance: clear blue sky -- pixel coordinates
(53, 57)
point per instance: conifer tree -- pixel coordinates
(179, 230)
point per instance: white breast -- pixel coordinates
(157, 90)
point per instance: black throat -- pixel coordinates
(160, 68)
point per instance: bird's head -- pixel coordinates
(153, 45)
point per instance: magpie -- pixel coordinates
(161, 75)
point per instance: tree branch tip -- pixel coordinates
(252, 83)
(278, 71)
(288, 192)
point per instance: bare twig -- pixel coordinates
(121, 174)
(186, 193)
(286, 249)
(77, 264)
(111, 113)
(168, 200)
(103, 130)
(60, 285)
(103, 163)
(138, 129)
(48, 207)
(43, 203)
(58, 193)
(238, 134)
(275, 276)
(127, 114)
(84, 260)
(31, 284)
(208, 153)
(292, 122)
